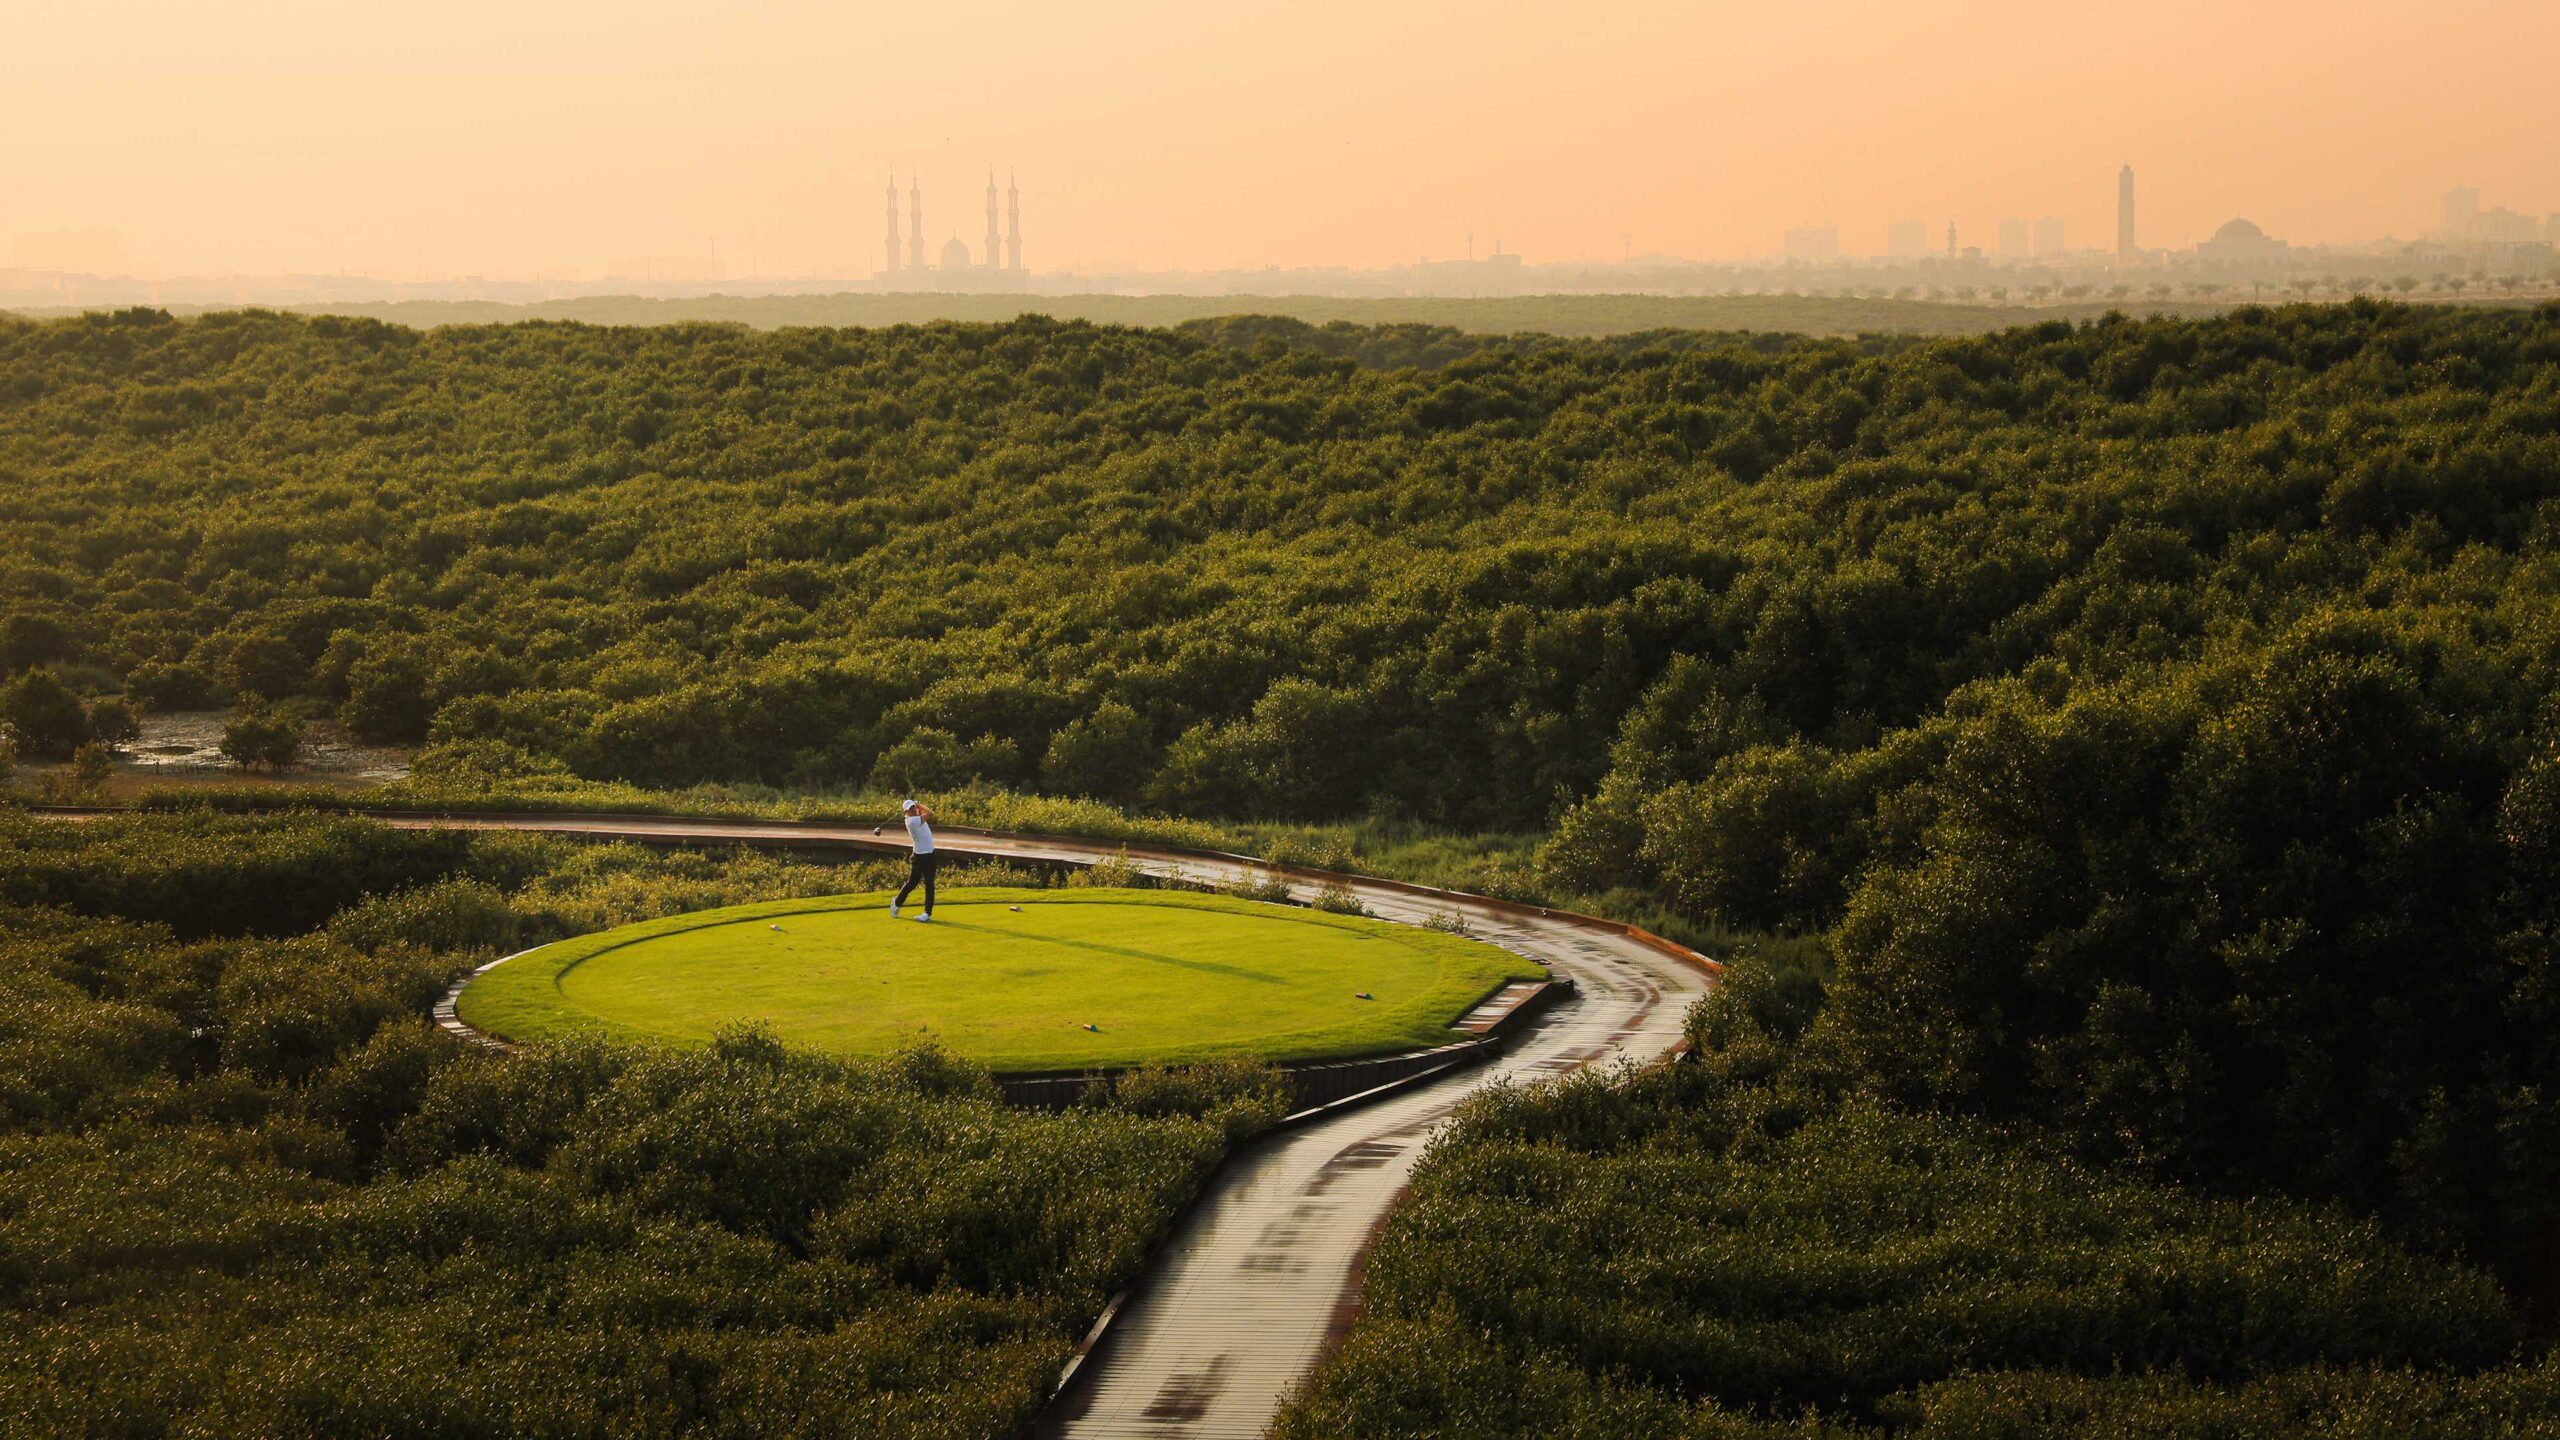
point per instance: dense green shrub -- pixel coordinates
(1757, 845)
(930, 759)
(245, 1188)
(2146, 726)
(2353, 1404)
(87, 775)
(1718, 1248)
(30, 638)
(458, 916)
(1240, 1097)
(1107, 755)
(72, 1030)
(287, 1009)
(518, 1107)
(44, 715)
(2252, 923)
(113, 723)
(277, 876)
(389, 696)
(1230, 574)
(262, 738)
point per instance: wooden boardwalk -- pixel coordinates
(1259, 1278)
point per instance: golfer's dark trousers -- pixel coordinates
(920, 867)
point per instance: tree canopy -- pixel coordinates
(2153, 720)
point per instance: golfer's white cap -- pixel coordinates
(907, 804)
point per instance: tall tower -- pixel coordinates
(2125, 251)
(915, 223)
(2461, 212)
(1012, 224)
(893, 225)
(1951, 239)
(994, 256)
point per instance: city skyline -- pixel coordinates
(302, 139)
(2029, 235)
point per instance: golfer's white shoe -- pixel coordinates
(893, 909)
(925, 919)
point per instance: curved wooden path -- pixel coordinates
(1262, 1272)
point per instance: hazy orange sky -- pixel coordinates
(473, 136)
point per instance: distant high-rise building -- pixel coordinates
(1951, 239)
(2125, 249)
(2503, 226)
(915, 223)
(2013, 240)
(1906, 240)
(1012, 223)
(995, 255)
(1813, 243)
(2049, 242)
(2461, 211)
(893, 224)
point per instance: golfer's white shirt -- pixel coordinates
(919, 834)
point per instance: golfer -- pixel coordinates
(920, 835)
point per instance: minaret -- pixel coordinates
(1012, 224)
(2125, 251)
(994, 257)
(893, 225)
(915, 223)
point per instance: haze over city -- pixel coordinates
(156, 137)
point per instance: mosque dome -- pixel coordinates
(955, 254)
(2239, 230)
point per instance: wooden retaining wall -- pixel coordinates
(1324, 1082)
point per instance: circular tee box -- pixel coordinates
(1021, 981)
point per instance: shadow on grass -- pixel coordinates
(1209, 967)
